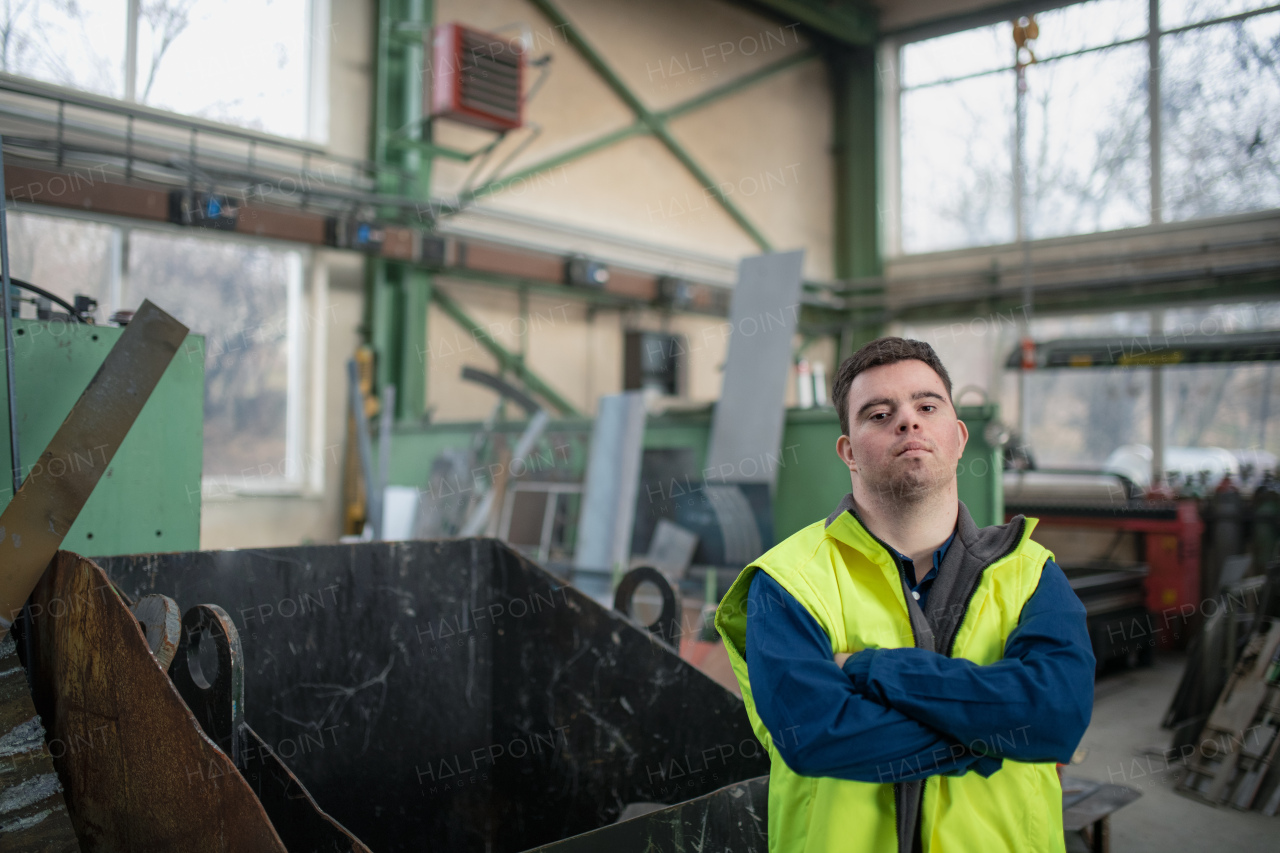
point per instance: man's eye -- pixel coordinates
(929, 407)
(879, 416)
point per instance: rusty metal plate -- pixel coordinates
(142, 777)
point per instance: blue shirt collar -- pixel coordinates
(938, 555)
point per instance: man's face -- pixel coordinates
(904, 437)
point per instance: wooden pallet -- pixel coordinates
(1239, 744)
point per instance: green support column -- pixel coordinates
(857, 234)
(411, 393)
(398, 294)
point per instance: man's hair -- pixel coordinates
(875, 354)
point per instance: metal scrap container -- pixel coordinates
(451, 695)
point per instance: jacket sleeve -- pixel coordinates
(1033, 705)
(819, 723)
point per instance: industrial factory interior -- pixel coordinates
(705, 426)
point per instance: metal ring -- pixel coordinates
(666, 627)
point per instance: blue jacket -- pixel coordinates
(907, 708)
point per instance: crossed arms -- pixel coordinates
(896, 715)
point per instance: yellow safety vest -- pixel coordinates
(850, 584)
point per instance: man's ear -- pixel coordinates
(964, 435)
(844, 449)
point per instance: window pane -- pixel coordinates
(1088, 157)
(66, 257)
(1221, 91)
(72, 44)
(957, 55)
(1094, 24)
(1179, 13)
(242, 62)
(238, 296)
(957, 164)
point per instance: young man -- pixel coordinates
(914, 677)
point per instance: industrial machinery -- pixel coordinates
(1134, 563)
(149, 497)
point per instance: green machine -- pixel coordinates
(148, 499)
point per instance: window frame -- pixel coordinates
(889, 116)
(307, 333)
(318, 33)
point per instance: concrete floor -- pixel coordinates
(1125, 746)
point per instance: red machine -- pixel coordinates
(1169, 536)
(477, 78)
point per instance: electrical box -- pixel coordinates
(653, 361)
(477, 78)
(148, 499)
(581, 271)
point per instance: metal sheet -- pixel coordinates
(139, 774)
(612, 483)
(746, 427)
(36, 520)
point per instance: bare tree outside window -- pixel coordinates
(165, 20)
(1221, 90)
(68, 42)
(238, 296)
(1087, 150)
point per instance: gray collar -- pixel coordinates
(973, 549)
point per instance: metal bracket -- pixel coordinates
(218, 704)
(666, 626)
(161, 621)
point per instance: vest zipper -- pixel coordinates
(899, 787)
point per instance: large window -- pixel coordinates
(992, 151)
(251, 63)
(1079, 417)
(248, 301)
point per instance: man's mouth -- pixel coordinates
(913, 448)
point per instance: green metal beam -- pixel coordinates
(411, 392)
(850, 21)
(656, 125)
(396, 294)
(853, 77)
(506, 359)
(1093, 300)
(857, 248)
(575, 153)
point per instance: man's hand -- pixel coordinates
(841, 657)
